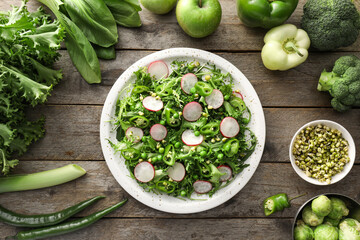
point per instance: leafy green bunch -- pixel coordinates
(28, 49)
(201, 162)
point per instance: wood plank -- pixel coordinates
(160, 32)
(161, 229)
(72, 132)
(275, 88)
(269, 179)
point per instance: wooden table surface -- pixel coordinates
(289, 99)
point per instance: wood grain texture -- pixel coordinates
(269, 179)
(163, 229)
(72, 131)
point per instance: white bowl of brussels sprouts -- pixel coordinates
(328, 216)
(322, 152)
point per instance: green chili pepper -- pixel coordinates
(169, 155)
(131, 154)
(163, 91)
(21, 220)
(205, 169)
(210, 129)
(238, 103)
(170, 119)
(231, 147)
(140, 121)
(66, 227)
(265, 14)
(203, 89)
(277, 203)
(139, 89)
(166, 186)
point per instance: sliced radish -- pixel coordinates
(188, 81)
(201, 186)
(158, 132)
(227, 170)
(152, 104)
(239, 95)
(177, 172)
(215, 100)
(144, 172)
(229, 127)
(158, 69)
(188, 137)
(134, 134)
(192, 111)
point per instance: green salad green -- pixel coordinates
(207, 164)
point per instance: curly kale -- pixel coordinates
(28, 49)
(331, 24)
(343, 83)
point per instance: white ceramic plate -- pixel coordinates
(164, 202)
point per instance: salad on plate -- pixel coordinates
(183, 131)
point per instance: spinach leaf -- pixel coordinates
(105, 53)
(125, 13)
(94, 19)
(79, 48)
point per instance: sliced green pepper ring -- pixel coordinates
(131, 154)
(140, 121)
(203, 89)
(210, 129)
(166, 186)
(163, 91)
(170, 119)
(139, 89)
(169, 155)
(205, 169)
(238, 103)
(231, 147)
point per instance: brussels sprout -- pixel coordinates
(349, 229)
(310, 218)
(334, 222)
(321, 206)
(326, 232)
(338, 209)
(303, 231)
(355, 214)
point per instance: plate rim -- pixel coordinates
(179, 53)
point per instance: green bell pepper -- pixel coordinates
(169, 155)
(265, 13)
(285, 47)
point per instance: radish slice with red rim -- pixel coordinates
(158, 132)
(201, 186)
(228, 172)
(134, 134)
(229, 127)
(188, 81)
(152, 104)
(192, 111)
(215, 99)
(239, 95)
(177, 172)
(188, 137)
(144, 172)
(158, 69)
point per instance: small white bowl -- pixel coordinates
(345, 134)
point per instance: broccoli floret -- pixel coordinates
(331, 24)
(343, 83)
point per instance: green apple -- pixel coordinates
(198, 18)
(159, 6)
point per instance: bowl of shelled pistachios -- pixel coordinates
(322, 152)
